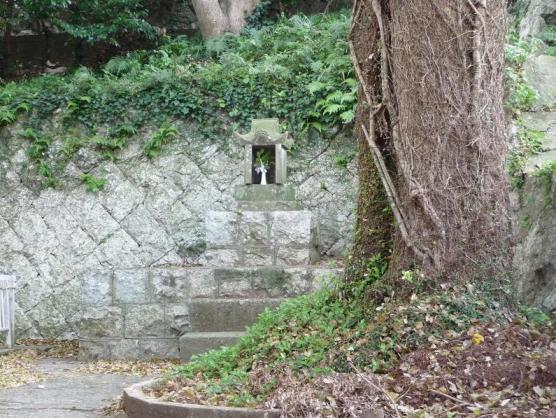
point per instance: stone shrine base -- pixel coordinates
(175, 312)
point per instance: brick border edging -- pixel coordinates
(138, 405)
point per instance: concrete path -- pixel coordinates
(65, 393)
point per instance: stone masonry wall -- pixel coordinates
(149, 219)
(142, 312)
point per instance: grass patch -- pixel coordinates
(328, 332)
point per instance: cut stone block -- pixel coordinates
(201, 342)
(221, 229)
(540, 72)
(145, 321)
(254, 228)
(234, 282)
(220, 257)
(130, 286)
(96, 289)
(101, 322)
(227, 315)
(288, 256)
(128, 349)
(291, 228)
(176, 318)
(171, 285)
(265, 193)
(258, 256)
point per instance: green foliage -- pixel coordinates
(342, 160)
(546, 175)
(91, 20)
(534, 315)
(521, 96)
(263, 158)
(38, 153)
(93, 184)
(298, 70)
(162, 136)
(529, 143)
(337, 328)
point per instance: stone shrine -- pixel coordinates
(252, 256)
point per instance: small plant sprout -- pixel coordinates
(263, 161)
(93, 184)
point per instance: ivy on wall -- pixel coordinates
(298, 70)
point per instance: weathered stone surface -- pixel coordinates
(226, 315)
(96, 288)
(535, 253)
(534, 214)
(101, 322)
(130, 286)
(291, 228)
(128, 349)
(221, 257)
(145, 321)
(176, 318)
(254, 228)
(171, 285)
(540, 72)
(221, 229)
(289, 256)
(259, 256)
(534, 21)
(268, 193)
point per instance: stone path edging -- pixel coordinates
(138, 405)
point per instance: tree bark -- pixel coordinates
(212, 20)
(438, 71)
(374, 222)
(237, 11)
(217, 17)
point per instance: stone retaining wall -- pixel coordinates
(151, 214)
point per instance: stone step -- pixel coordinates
(200, 342)
(219, 315)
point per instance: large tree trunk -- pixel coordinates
(211, 18)
(217, 17)
(439, 106)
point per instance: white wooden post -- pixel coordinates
(7, 308)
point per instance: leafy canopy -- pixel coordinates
(91, 20)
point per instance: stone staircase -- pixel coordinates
(254, 258)
(218, 322)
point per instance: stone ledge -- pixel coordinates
(128, 348)
(138, 405)
(201, 342)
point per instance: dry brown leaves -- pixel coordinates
(129, 368)
(509, 372)
(486, 371)
(19, 368)
(337, 395)
(51, 348)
